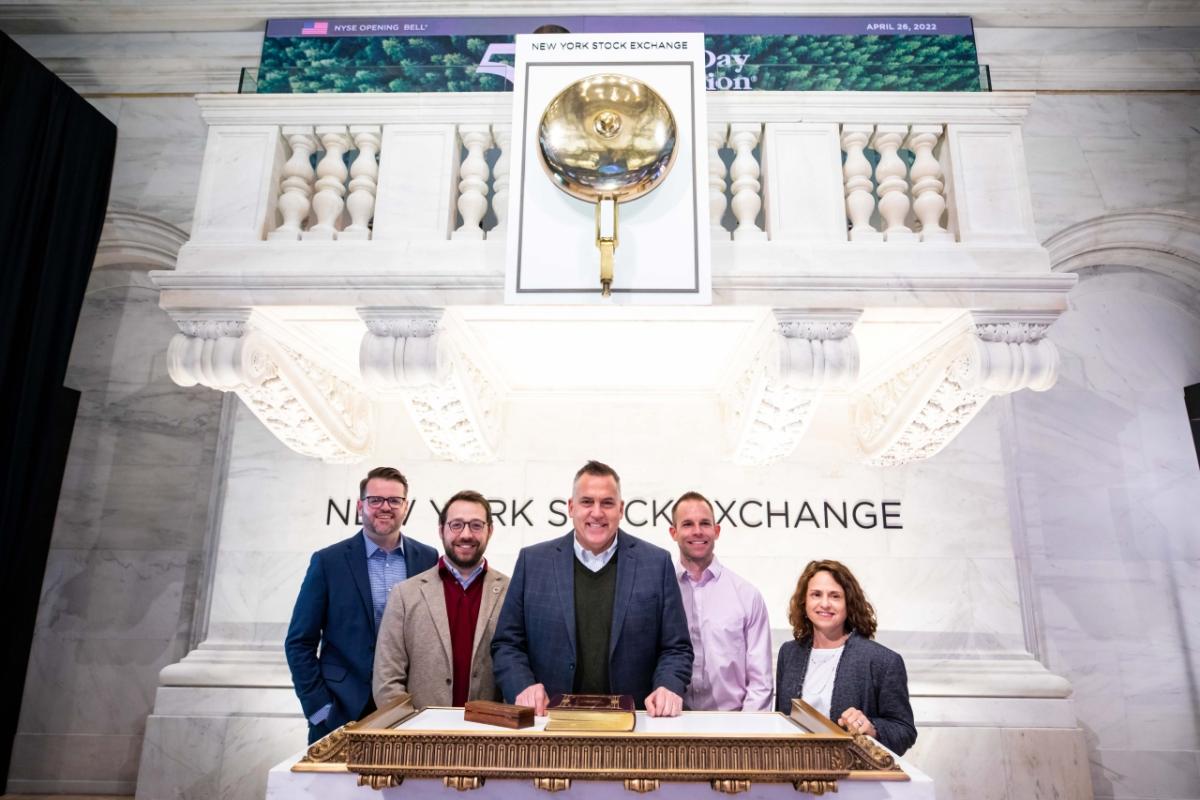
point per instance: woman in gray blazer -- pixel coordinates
(834, 664)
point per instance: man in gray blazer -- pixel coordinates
(435, 638)
(595, 611)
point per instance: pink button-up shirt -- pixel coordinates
(731, 637)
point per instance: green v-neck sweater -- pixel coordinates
(594, 593)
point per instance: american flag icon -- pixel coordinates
(318, 28)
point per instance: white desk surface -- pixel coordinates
(694, 723)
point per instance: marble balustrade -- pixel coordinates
(855, 167)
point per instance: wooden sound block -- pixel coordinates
(501, 714)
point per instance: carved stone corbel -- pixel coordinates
(308, 408)
(770, 402)
(920, 408)
(451, 397)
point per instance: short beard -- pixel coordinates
(458, 564)
(370, 526)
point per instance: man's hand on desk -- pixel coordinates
(662, 702)
(534, 697)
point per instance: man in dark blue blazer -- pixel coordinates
(595, 611)
(330, 643)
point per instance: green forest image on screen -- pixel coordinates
(350, 64)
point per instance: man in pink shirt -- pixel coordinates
(727, 618)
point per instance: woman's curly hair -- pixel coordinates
(860, 615)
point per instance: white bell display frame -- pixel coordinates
(662, 255)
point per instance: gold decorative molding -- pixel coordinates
(731, 787)
(378, 782)
(817, 788)
(383, 754)
(552, 784)
(867, 754)
(462, 783)
(330, 750)
(330, 753)
(641, 785)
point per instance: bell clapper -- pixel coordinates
(606, 240)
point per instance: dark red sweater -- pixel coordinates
(462, 608)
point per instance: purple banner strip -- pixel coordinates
(507, 26)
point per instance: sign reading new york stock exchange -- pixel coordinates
(655, 513)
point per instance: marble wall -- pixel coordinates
(1107, 480)
(1093, 154)
(126, 556)
(160, 145)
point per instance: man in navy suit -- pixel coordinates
(330, 643)
(595, 611)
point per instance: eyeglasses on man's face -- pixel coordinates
(457, 525)
(375, 501)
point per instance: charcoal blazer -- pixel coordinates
(414, 653)
(869, 677)
(649, 645)
(334, 612)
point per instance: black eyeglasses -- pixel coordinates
(457, 525)
(374, 501)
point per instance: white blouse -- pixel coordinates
(818, 679)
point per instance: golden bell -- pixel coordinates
(607, 139)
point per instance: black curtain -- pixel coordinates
(54, 176)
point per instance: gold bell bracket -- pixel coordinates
(606, 240)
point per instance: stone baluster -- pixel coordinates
(329, 201)
(891, 182)
(295, 189)
(929, 202)
(860, 202)
(473, 180)
(718, 134)
(502, 134)
(364, 174)
(744, 137)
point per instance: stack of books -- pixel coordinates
(590, 712)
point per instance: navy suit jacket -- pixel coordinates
(869, 677)
(334, 610)
(649, 645)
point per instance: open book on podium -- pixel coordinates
(590, 712)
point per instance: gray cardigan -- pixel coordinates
(869, 677)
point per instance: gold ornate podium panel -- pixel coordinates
(727, 750)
